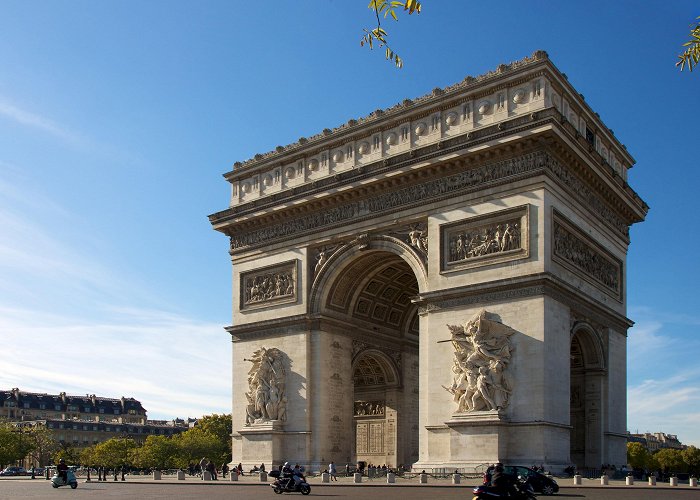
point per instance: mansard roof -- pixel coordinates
(35, 399)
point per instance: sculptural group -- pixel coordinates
(266, 382)
(482, 354)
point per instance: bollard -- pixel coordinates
(234, 475)
(577, 480)
(263, 476)
(423, 478)
(604, 480)
(33, 475)
(115, 474)
(391, 478)
(325, 477)
(693, 482)
(47, 473)
(456, 478)
(629, 480)
(157, 475)
(652, 480)
(206, 475)
(123, 479)
(673, 481)
(87, 480)
(357, 477)
(181, 475)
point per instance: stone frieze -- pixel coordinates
(571, 248)
(433, 190)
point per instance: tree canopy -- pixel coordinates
(691, 55)
(378, 36)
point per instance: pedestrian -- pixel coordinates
(224, 469)
(333, 472)
(203, 466)
(239, 468)
(347, 470)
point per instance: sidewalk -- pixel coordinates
(254, 480)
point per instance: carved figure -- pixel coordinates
(266, 384)
(268, 286)
(485, 240)
(418, 239)
(482, 352)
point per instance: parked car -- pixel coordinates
(540, 483)
(13, 471)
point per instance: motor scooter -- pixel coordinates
(71, 481)
(525, 491)
(287, 485)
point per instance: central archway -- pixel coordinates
(371, 292)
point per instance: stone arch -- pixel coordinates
(591, 345)
(587, 386)
(371, 364)
(363, 246)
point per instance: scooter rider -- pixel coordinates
(62, 470)
(503, 483)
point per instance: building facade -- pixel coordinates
(20, 405)
(440, 284)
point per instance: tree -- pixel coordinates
(158, 452)
(670, 460)
(691, 56)
(195, 443)
(691, 457)
(637, 455)
(44, 445)
(66, 452)
(10, 445)
(378, 35)
(115, 452)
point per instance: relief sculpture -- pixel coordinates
(268, 286)
(485, 240)
(569, 247)
(483, 349)
(266, 383)
(366, 408)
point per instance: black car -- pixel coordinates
(540, 483)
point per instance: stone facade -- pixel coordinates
(499, 204)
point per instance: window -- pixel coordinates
(87, 409)
(26, 405)
(116, 412)
(102, 410)
(42, 406)
(57, 407)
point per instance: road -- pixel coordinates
(42, 490)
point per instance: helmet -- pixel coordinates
(62, 461)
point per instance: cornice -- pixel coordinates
(540, 284)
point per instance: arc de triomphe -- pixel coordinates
(440, 283)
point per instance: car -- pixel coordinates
(13, 471)
(540, 483)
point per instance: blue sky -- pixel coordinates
(117, 120)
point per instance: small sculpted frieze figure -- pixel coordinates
(266, 384)
(482, 353)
